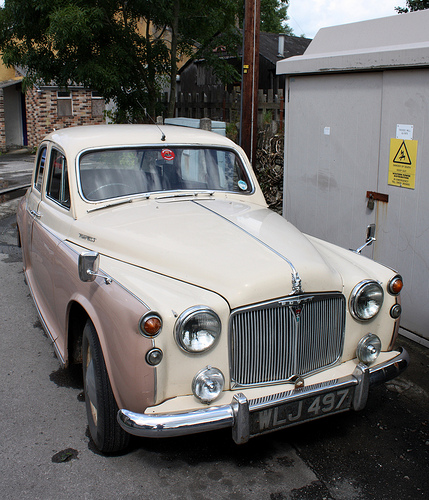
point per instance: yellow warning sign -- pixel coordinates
(402, 163)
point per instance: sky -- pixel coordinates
(308, 16)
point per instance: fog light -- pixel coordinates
(395, 311)
(154, 356)
(207, 385)
(368, 349)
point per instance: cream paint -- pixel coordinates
(223, 251)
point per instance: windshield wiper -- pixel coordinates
(117, 203)
(185, 195)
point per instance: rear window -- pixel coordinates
(112, 173)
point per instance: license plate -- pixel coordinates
(302, 410)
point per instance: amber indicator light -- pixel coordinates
(152, 326)
(396, 286)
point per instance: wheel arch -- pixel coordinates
(120, 343)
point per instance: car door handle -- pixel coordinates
(35, 214)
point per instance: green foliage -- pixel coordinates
(274, 16)
(123, 49)
(93, 43)
(413, 5)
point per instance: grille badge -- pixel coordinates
(296, 306)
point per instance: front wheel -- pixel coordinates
(101, 407)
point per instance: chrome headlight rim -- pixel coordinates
(356, 296)
(190, 314)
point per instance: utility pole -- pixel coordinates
(250, 79)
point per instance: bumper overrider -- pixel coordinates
(249, 418)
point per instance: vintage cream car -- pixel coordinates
(154, 261)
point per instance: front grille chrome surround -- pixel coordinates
(273, 342)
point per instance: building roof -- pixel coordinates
(388, 42)
(269, 46)
(9, 83)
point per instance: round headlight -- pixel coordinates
(197, 329)
(366, 300)
(208, 383)
(368, 349)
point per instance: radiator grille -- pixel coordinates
(272, 342)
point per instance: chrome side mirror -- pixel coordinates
(88, 265)
(370, 234)
(370, 238)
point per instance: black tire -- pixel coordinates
(101, 407)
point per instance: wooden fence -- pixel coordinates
(225, 106)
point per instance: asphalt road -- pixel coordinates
(379, 453)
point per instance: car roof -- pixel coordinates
(76, 139)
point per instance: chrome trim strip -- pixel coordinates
(236, 414)
(296, 280)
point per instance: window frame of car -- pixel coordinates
(251, 190)
(64, 184)
(39, 172)
(43, 171)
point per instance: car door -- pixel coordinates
(50, 224)
(32, 206)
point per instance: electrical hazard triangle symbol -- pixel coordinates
(402, 156)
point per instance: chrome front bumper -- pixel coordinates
(237, 414)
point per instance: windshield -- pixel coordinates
(112, 173)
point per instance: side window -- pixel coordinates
(58, 183)
(40, 168)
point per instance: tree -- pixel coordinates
(119, 48)
(413, 5)
(199, 30)
(274, 16)
(96, 44)
(123, 49)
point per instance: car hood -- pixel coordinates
(242, 251)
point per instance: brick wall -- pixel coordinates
(42, 112)
(2, 123)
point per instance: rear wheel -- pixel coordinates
(101, 407)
